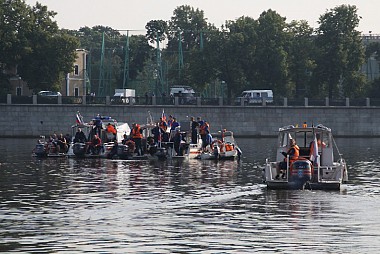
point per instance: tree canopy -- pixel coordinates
(293, 59)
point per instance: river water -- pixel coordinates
(114, 206)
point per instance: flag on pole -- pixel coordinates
(79, 118)
(314, 151)
(163, 116)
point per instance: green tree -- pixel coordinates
(340, 53)
(271, 63)
(156, 29)
(32, 43)
(301, 57)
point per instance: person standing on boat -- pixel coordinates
(170, 122)
(136, 134)
(80, 137)
(194, 130)
(98, 124)
(177, 138)
(174, 124)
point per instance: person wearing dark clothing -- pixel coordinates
(80, 137)
(194, 131)
(156, 132)
(98, 124)
(177, 142)
(96, 145)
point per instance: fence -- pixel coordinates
(179, 101)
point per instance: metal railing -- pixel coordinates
(178, 101)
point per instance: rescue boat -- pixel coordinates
(314, 168)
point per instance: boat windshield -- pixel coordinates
(303, 138)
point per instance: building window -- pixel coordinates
(76, 70)
(18, 91)
(76, 91)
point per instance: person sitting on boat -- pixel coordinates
(80, 137)
(111, 132)
(125, 139)
(95, 145)
(62, 144)
(293, 153)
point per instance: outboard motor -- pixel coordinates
(300, 172)
(123, 152)
(79, 149)
(40, 150)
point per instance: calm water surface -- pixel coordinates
(114, 206)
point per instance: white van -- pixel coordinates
(255, 97)
(186, 94)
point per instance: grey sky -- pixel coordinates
(133, 15)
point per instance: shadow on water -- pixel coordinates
(182, 206)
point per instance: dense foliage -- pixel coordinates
(292, 59)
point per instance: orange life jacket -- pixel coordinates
(296, 154)
(136, 132)
(111, 129)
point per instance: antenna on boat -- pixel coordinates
(150, 117)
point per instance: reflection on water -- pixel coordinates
(116, 206)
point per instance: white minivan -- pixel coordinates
(255, 97)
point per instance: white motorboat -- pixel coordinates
(314, 168)
(223, 147)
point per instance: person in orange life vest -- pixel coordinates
(96, 144)
(136, 135)
(293, 152)
(111, 129)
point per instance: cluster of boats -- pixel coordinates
(312, 167)
(119, 145)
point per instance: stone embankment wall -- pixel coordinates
(36, 120)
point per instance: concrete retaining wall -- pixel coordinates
(35, 120)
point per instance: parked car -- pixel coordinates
(49, 93)
(185, 94)
(255, 97)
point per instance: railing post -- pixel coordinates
(347, 102)
(84, 99)
(9, 98)
(130, 100)
(327, 101)
(199, 101)
(306, 102)
(59, 100)
(34, 99)
(108, 100)
(154, 100)
(176, 101)
(264, 102)
(242, 100)
(368, 102)
(220, 101)
(285, 102)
